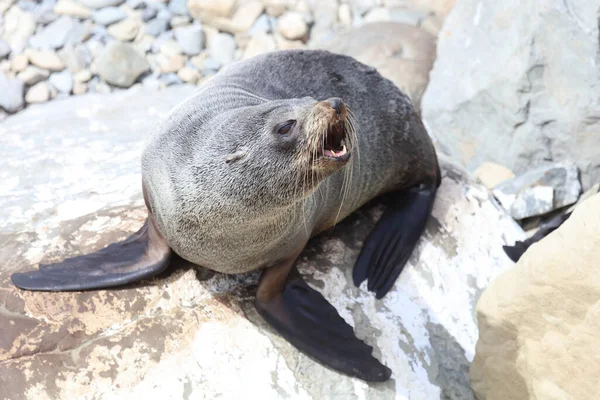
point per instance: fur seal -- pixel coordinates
(269, 152)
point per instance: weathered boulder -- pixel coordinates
(516, 82)
(70, 178)
(402, 53)
(539, 320)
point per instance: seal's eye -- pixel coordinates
(286, 127)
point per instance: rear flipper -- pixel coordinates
(388, 247)
(516, 250)
(309, 322)
(142, 255)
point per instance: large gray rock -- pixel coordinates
(121, 64)
(70, 179)
(517, 82)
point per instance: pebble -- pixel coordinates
(72, 8)
(170, 48)
(145, 43)
(148, 14)
(170, 64)
(156, 27)
(178, 7)
(19, 63)
(82, 76)
(378, 15)
(219, 8)
(492, 174)
(210, 66)
(246, 15)
(170, 79)
(79, 88)
(75, 58)
(46, 59)
(54, 35)
(96, 4)
(18, 28)
(188, 75)
(292, 26)
(259, 44)
(180, 20)
(125, 30)
(190, 38)
(108, 16)
(222, 48)
(4, 49)
(261, 25)
(135, 4)
(5, 66)
(32, 75)
(345, 15)
(11, 99)
(120, 64)
(102, 88)
(38, 93)
(275, 8)
(62, 81)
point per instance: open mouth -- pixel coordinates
(335, 142)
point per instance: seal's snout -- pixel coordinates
(337, 105)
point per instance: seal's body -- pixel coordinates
(266, 154)
(220, 214)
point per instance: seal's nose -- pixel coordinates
(336, 104)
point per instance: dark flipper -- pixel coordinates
(142, 255)
(516, 250)
(309, 322)
(388, 247)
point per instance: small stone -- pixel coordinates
(170, 79)
(11, 99)
(532, 201)
(75, 58)
(171, 64)
(82, 76)
(178, 7)
(148, 14)
(5, 5)
(219, 8)
(378, 15)
(125, 30)
(46, 60)
(96, 4)
(153, 83)
(190, 38)
(4, 49)
(95, 48)
(62, 81)
(246, 15)
(276, 8)
(198, 61)
(170, 48)
(136, 4)
(102, 87)
(164, 14)
(18, 27)
(156, 27)
(211, 66)
(19, 63)
(80, 33)
(79, 88)
(145, 43)
(71, 8)
(54, 35)
(492, 174)
(108, 16)
(284, 44)
(180, 20)
(258, 44)
(222, 48)
(38, 93)
(261, 25)
(5, 66)
(345, 15)
(292, 26)
(120, 64)
(188, 75)
(32, 75)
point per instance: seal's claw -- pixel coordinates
(388, 247)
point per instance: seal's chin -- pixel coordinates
(335, 143)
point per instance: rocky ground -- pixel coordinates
(57, 48)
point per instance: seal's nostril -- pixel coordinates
(336, 104)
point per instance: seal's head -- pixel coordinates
(279, 151)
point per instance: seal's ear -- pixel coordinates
(142, 255)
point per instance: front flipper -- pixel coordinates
(142, 255)
(309, 322)
(391, 242)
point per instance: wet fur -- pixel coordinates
(231, 196)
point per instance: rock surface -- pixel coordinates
(121, 64)
(516, 82)
(70, 178)
(539, 320)
(492, 174)
(402, 53)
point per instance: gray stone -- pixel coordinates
(179, 20)
(156, 26)
(95, 4)
(165, 14)
(178, 7)
(76, 58)
(148, 14)
(120, 64)
(222, 48)
(190, 38)
(125, 30)
(561, 178)
(46, 17)
(521, 93)
(32, 75)
(27, 5)
(136, 4)
(261, 26)
(62, 81)
(18, 27)
(4, 49)
(74, 186)
(211, 66)
(11, 99)
(55, 35)
(109, 15)
(170, 79)
(72, 8)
